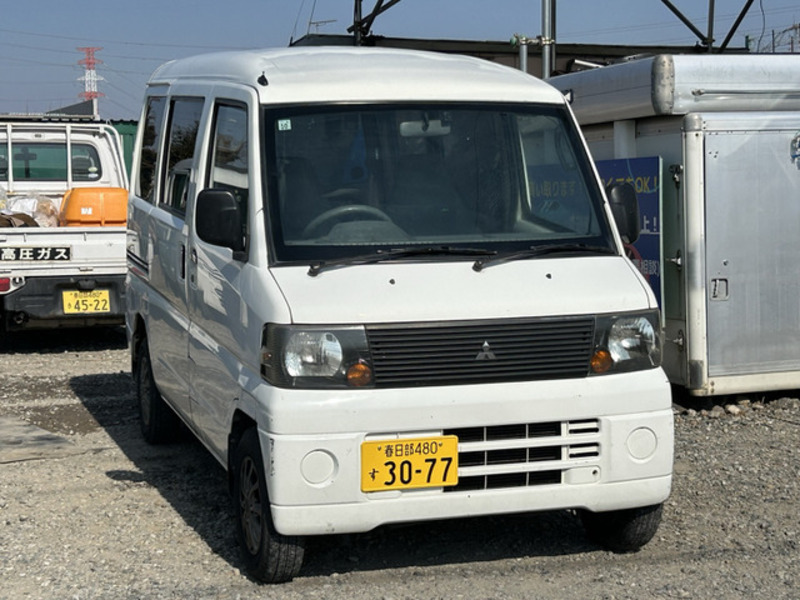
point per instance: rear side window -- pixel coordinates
(47, 161)
(151, 142)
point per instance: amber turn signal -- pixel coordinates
(601, 361)
(359, 375)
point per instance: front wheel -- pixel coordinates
(622, 530)
(268, 556)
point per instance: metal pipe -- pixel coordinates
(735, 26)
(357, 23)
(710, 38)
(683, 18)
(523, 57)
(10, 155)
(548, 37)
(554, 27)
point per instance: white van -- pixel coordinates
(384, 286)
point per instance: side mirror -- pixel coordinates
(625, 208)
(218, 219)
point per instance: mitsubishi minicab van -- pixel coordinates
(385, 286)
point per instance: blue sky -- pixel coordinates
(39, 67)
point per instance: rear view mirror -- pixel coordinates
(625, 208)
(219, 219)
(417, 129)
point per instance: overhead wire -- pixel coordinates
(296, 21)
(116, 41)
(674, 24)
(763, 23)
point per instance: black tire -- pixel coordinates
(3, 331)
(622, 530)
(159, 424)
(268, 556)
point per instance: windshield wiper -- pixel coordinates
(534, 251)
(397, 253)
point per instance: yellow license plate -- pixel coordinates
(407, 463)
(89, 302)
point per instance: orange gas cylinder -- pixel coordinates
(94, 207)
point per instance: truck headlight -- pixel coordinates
(315, 357)
(628, 342)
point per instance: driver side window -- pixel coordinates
(229, 159)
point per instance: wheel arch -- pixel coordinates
(138, 334)
(240, 423)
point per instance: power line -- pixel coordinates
(159, 59)
(774, 13)
(116, 41)
(36, 62)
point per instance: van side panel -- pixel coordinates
(751, 243)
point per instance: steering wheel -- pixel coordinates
(341, 213)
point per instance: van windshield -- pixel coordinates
(347, 180)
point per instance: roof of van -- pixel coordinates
(336, 74)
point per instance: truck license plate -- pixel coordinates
(407, 463)
(77, 302)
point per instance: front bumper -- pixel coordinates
(607, 442)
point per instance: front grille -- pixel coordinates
(521, 455)
(480, 352)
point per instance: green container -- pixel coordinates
(127, 133)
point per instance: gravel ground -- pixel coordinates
(94, 512)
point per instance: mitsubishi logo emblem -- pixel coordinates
(486, 353)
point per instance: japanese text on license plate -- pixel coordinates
(409, 463)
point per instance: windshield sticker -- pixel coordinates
(284, 125)
(794, 151)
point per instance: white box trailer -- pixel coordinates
(727, 130)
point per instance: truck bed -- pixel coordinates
(56, 277)
(35, 251)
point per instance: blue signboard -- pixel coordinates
(644, 174)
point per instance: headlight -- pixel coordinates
(312, 354)
(315, 357)
(630, 342)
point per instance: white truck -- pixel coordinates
(346, 280)
(727, 131)
(62, 264)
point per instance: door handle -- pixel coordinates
(183, 261)
(677, 261)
